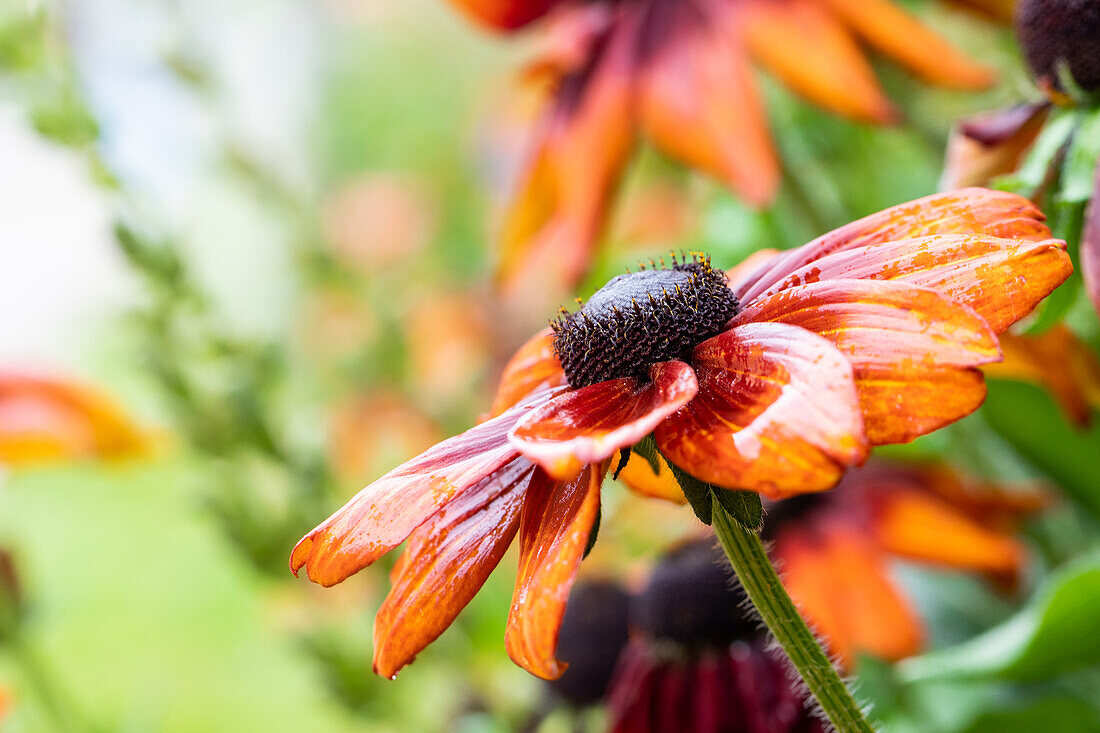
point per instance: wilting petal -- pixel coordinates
(575, 164)
(810, 51)
(838, 579)
(639, 478)
(592, 423)
(902, 37)
(382, 515)
(991, 144)
(533, 365)
(1090, 246)
(777, 412)
(1002, 279)
(446, 561)
(967, 211)
(505, 14)
(920, 526)
(698, 100)
(554, 527)
(912, 349)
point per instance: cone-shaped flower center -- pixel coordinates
(643, 318)
(1056, 32)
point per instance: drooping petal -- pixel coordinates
(505, 15)
(777, 412)
(810, 51)
(991, 144)
(446, 561)
(533, 365)
(556, 520)
(902, 37)
(920, 526)
(839, 581)
(639, 478)
(912, 350)
(967, 211)
(592, 423)
(1002, 279)
(1090, 246)
(382, 515)
(698, 100)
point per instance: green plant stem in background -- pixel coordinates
(46, 689)
(757, 574)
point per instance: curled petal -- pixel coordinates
(639, 478)
(991, 144)
(446, 561)
(505, 15)
(382, 515)
(1090, 246)
(1001, 279)
(912, 349)
(592, 423)
(902, 37)
(535, 364)
(698, 99)
(966, 211)
(555, 523)
(777, 412)
(781, 33)
(839, 580)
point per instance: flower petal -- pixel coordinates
(777, 412)
(590, 424)
(1090, 246)
(382, 515)
(967, 211)
(446, 561)
(698, 99)
(1002, 279)
(533, 365)
(912, 349)
(505, 15)
(748, 269)
(902, 37)
(555, 523)
(839, 581)
(784, 34)
(639, 478)
(990, 144)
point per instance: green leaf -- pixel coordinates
(647, 449)
(1033, 172)
(1056, 633)
(744, 506)
(1081, 157)
(1061, 714)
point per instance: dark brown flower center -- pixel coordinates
(1054, 32)
(643, 318)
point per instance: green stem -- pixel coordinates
(757, 574)
(42, 683)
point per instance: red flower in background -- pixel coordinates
(680, 74)
(773, 380)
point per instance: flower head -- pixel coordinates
(1056, 33)
(870, 334)
(680, 74)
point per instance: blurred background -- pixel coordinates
(245, 268)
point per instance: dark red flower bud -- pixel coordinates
(1053, 32)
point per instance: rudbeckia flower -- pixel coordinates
(680, 74)
(772, 380)
(833, 549)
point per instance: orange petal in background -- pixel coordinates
(777, 412)
(966, 211)
(533, 365)
(554, 527)
(903, 38)
(446, 561)
(382, 515)
(810, 51)
(505, 15)
(639, 478)
(590, 424)
(839, 581)
(698, 100)
(912, 349)
(1059, 362)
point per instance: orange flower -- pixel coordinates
(834, 549)
(776, 383)
(680, 73)
(43, 420)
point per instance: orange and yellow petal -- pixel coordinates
(912, 350)
(505, 15)
(382, 515)
(810, 51)
(555, 524)
(535, 364)
(777, 412)
(698, 100)
(966, 211)
(446, 561)
(44, 420)
(590, 424)
(639, 477)
(839, 580)
(897, 34)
